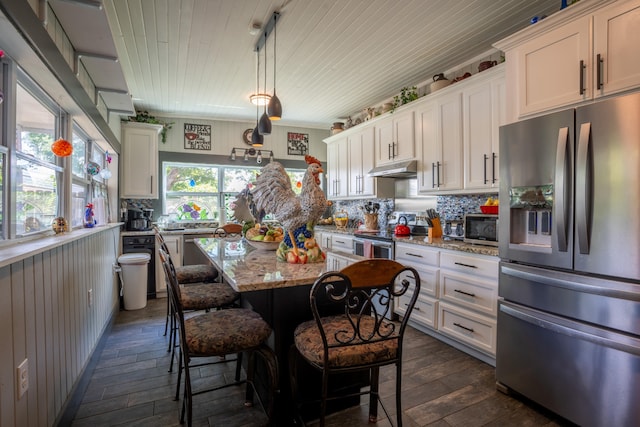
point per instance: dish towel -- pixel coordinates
(367, 250)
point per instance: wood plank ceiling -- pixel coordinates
(195, 58)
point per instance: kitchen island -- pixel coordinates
(279, 292)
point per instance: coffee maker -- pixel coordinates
(139, 219)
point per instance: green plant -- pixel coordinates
(407, 94)
(145, 117)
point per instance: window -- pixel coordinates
(3, 159)
(37, 176)
(205, 192)
(80, 184)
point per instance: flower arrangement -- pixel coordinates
(191, 210)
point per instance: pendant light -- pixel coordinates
(257, 140)
(275, 107)
(264, 127)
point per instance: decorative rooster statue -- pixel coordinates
(272, 193)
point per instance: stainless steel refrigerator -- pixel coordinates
(569, 241)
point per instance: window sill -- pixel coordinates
(21, 249)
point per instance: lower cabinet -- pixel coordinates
(458, 299)
(337, 262)
(174, 243)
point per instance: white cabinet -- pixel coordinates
(361, 160)
(336, 262)
(324, 239)
(469, 299)
(484, 111)
(337, 176)
(584, 52)
(349, 160)
(426, 262)
(342, 243)
(174, 243)
(615, 44)
(440, 143)
(395, 138)
(140, 160)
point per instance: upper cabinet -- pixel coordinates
(440, 141)
(483, 112)
(554, 63)
(395, 138)
(139, 160)
(337, 172)
(349, 159)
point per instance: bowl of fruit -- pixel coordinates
(491, 206)
(264, 237)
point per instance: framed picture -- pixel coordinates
(297, 144)
(197, 137)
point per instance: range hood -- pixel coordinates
(406, 169)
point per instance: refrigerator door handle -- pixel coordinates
(561, 188)
(583, 188)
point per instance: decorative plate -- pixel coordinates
(246, 136)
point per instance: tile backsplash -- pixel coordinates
(453, 208)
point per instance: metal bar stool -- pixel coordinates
(217, 334)
(357, 336)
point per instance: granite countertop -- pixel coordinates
(419, 240)
(248, 269)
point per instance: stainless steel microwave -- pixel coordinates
(481, 229)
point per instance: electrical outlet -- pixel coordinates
(115, 268)
(90, 297)
(23, 378)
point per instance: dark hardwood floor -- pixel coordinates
(130, 386)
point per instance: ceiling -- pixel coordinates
(196, 58)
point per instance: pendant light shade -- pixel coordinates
(275, 107)
(257, 140)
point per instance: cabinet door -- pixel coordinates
(483, 113)
(395, 138)
(555, 69)
(404, 134)
(140, 161)
(428, 146)
(337, 178)
(174, 243)
(616, 41)
(384, 141)
(449, 135)
(361, 161)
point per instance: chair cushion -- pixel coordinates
(196, 273)
(225, 332)
(200, 296)
(309, 343)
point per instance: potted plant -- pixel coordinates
(145, 117)
(407, 94)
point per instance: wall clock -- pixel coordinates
(246, 136)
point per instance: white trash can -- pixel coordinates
(134, 277)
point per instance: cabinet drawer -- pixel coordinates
(469, 292)
(424, 312)
(417, 254)
(340, 242)
(476, 265)
(428, 278)
(473, 329)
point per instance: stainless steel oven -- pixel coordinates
(372, 248)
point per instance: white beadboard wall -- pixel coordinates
(45, 317)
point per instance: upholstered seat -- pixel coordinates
(204, 273)
(309, 343)
(219, 333)
(204, 296)
(351, 331)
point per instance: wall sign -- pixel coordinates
(297, 144)
(197, 137)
